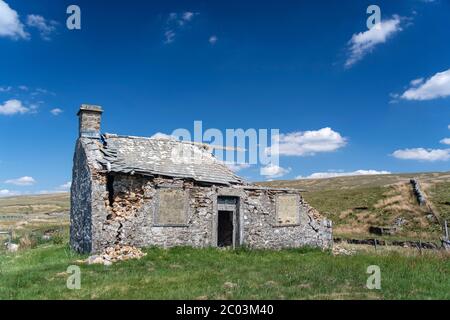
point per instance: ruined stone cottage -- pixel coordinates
(146, 192)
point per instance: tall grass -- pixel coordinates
(187, 273)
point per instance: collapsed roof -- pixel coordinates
(161, 156)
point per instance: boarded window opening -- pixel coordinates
(225, 229)
(172, 207)
(287, 207)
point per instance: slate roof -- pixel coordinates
(165, 157)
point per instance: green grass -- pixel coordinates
(440, 196)
(187, 273)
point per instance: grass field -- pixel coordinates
(186, 273)
(38, 270)
(26, 215)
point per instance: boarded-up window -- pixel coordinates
(287, 209)
(171, 208)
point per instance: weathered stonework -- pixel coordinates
(81, 199)
(111, 208)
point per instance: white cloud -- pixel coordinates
(8, 193)
(423, 154)
(160, 135)
(187, 16)
(324, 175)
(23, 181)
(445, 141)
(5, 89)
(23, 88)
(438, 86)
(416, 82)
(176, 22)
(213, 40)
(236, 167)
(169, 36)
(308, 143)
(12, 107)
(364, 42)
(10, 25)
(274, 171)
(56, 111)
(45, 27)
(65, 186)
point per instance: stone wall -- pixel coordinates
(80, 202)
(129, 218)
(263, 231)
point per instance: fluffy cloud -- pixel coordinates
(213, 40)
(169, 36)
(438, 86)
(324, 175)
(45, 27)
(23, 181)
(445, 141)
(175, 23)
(160, 135)
(364, 42)
(10, 25)
(416, 82)
(274, 171)
(8, 193)
(307, 143)
(65, 186)
(187, 16)
(56, 111)
(423, 154)
(236, 167)
(12, 107)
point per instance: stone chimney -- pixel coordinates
(90, 118)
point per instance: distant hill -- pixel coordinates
(32, 212)
(354, 203)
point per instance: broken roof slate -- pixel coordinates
(166, 157)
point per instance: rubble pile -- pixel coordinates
(116, 253)
(339, 251)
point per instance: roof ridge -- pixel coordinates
(113, 135)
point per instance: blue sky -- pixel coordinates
(345, 98)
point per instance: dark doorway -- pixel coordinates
(225, 229)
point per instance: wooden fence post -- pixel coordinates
(446, 229)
